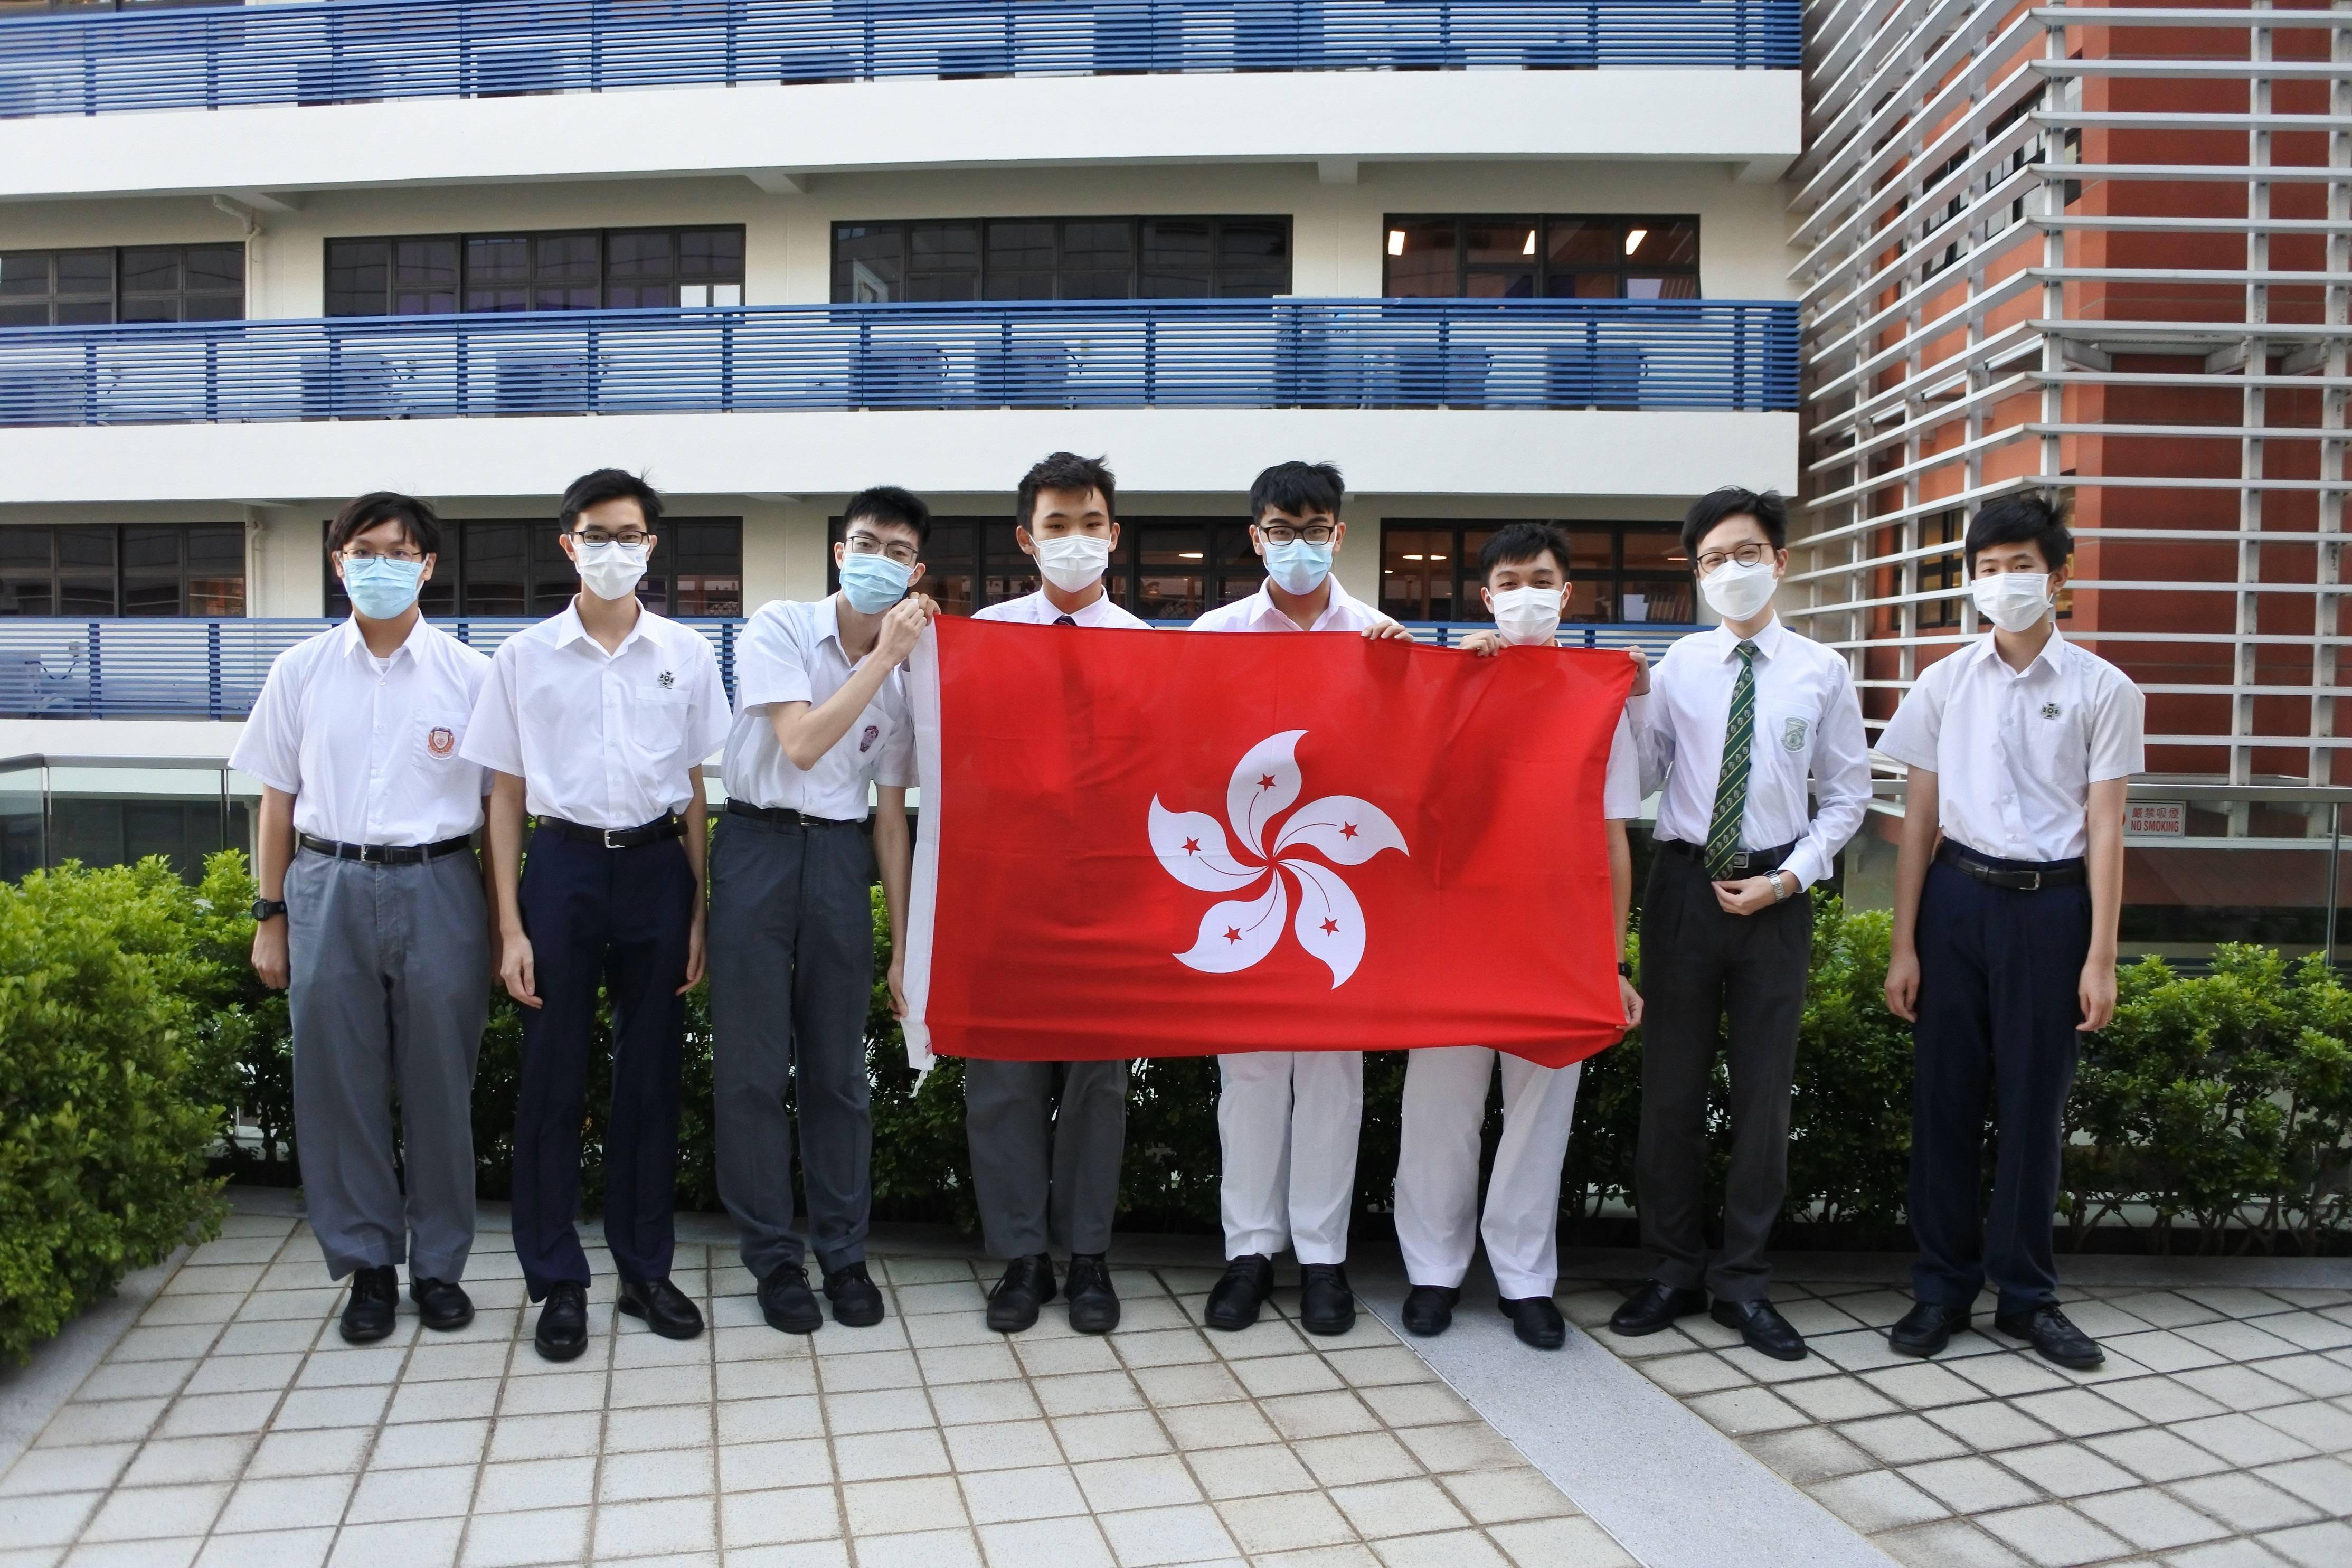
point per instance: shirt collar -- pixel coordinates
(1767, 640)
(828, 617)
(568, 629)
(1263, 601)
(355, 643)
(2053, 654)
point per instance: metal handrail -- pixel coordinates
(365, 51)
(1115, 354)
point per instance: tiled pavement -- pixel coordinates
(2217, 1435)
(231, 1425)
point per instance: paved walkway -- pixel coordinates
(230, 1424)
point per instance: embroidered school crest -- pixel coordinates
(2049, 709)
(666, 678)
(1793, 735)
(441, 740)
(866, 741)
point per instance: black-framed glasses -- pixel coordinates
(405, 553)
(897, 550)
(1313, 533)
(598, 536)
(1749, 554)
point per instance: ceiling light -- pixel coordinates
(1413, 558)
(1187, 555)
(1634, 238)
(1396, 242)
(1437, 558)
(1529, 249)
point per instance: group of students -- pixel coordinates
(385, 744)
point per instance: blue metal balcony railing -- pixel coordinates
(136, 667)
(1117, 354)
(363, 51)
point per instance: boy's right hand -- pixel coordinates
(1903, 985)
(1485, 645)
(1641, 658)
(902, 626)
(270, 952)
(516, 970)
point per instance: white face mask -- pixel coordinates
(1073, 561)
(610, 570)
(2013, 601)
(1525, 615)
(1738, 592)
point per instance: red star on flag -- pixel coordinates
(1346, 830)
(1232, 933)
(1191, 846)
(1266, 780)
(1329, 927)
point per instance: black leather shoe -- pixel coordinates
(1094, 1305)
(1027, 1285)
(787, 1303)
(1325, 1304)
(856, 1299)
(1236, 1300)
(2048, 1331)
(563, 1322)
(1927, 1328)
(376, 1302)
(1763, 1327)
(443, 1304)
(667, 1309)
(1653, 1307)
(1536, 1321)
(1429, 1309)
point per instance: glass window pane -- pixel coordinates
(1657, 599)
(151, 307)
(1420, 259)
(24, 272)
(1253, 259)
(359, 277)
(1098, 260)
(216, 570)
(215, 268)
(868, 263)
(1504, 239)
(26, 575)
(495, 560)
(1021, 261)
(1177, 259)
(1653, 549)
(96, 313)
(1489, 284)
(553, 580)
(1670, 244)
(642, 256)
(496, 259)
(86, 272)
(1174, 558)
(151, 570)
(1585, 242)
(86, 572)
(150, 271)
(32, 315)
(1658, 286)
(713, 255)
(952, 565)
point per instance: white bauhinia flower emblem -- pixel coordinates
(1342, 829)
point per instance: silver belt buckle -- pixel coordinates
(1739, 861)
(2035, 885)
(610, 842)
(374, 855)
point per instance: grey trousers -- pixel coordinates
(1042, 1171)
(792, 972)
(391, 984)
(1699, 966)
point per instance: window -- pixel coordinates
(1940, 573)
(123, 569)
(516, 567)
(1531, 257)
(1619, 571)
(73, 7)
(619, 269)
(1165, 569)
(136, 283)
(1062, 259)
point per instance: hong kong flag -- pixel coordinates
(1148, 843)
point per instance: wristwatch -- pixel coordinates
(1624, 969)
(1779, 896)
(268, 909)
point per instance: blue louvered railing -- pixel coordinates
(159, 668)
(357, 51)
(1119, 354)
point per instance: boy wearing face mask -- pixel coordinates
(373, 917)
(596, 721)
(1287, 1121)
(1045, 1168)
(2020, 747)
(821, 719)
(1737, 720)
(1438, 1215)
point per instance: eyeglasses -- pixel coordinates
(1283, 533)
(1747, 555)
(409, 556)
(598, 536)
(896, 549)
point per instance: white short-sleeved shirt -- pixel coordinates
(1808, 726)
(1620, 796)
(791, 652)
(2015, 753)
(1035, 609)
(1344, 612)
(370, 755)
(603, 739)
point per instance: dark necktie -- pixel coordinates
(1731, 783)
(1066, 620)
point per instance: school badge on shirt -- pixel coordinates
(441, 740)
(866, 741)
(666, 679)
(1793, 735)
(2049, 709)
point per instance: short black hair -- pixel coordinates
(1770, 512)
(416, 518)
(1297, 489)
(1064, 471)
(2030, 518)
(603, 485)
(889, 503)
(1517, 541)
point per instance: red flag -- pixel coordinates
(1148, 843)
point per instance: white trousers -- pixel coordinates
(1437, 1168)
(1287, 1122)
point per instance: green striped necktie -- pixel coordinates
(1731, 783)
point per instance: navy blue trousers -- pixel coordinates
(1998, 974)
(622, 916)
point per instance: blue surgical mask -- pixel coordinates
(381, 588)
(873, 582)
(1299, 567)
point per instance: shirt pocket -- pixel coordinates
(440, 737)
(656, 722)
(1784, 738)
(2054, 740)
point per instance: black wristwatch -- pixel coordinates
(268, 909)
(1624, 969)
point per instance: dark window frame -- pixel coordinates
(84, 306)
(127, 578)
(1611, 579)
(844, 279)
(462, 284)
(1541, 270)
(1228, 567)
(544, 577)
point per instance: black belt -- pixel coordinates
(1746, 862)
(386, 854)
(667, 826)
(2028, 878)
(786, 817)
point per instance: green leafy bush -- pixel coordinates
(104, 1126)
